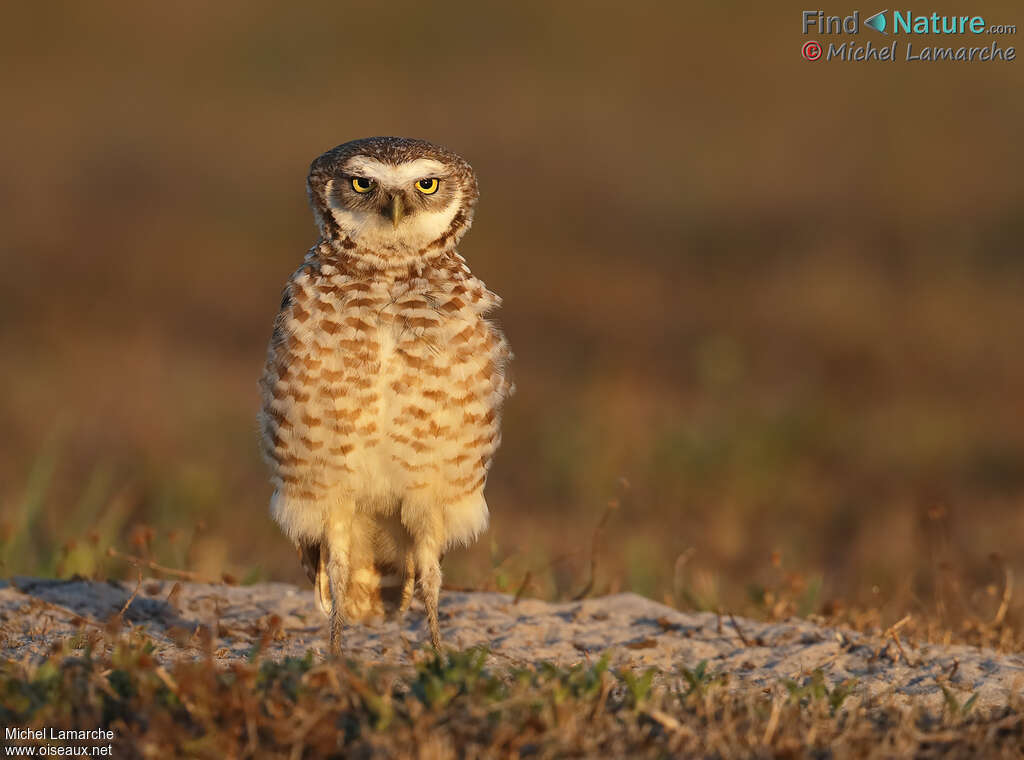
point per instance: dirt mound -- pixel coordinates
(187, 619)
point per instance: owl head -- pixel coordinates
(392, 197)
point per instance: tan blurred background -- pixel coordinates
(771, 309)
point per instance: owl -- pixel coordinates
(384, 382)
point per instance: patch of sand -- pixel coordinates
(36, 614)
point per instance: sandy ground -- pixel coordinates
(35, 614)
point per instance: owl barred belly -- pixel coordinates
(384, 393)
(381, 399)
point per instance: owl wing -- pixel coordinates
(285, 399)
(290, 416)
(276, 385)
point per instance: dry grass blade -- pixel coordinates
(522, 587)
(668, 722)
(174, 595)
(773, 722)
(1004, 603)
(739, 631)
(595, 544)
(134, 594)
(892, 634)
(158, 568)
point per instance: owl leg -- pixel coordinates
(338, 571)
(428, 568)
(409, 582)
(425, 524)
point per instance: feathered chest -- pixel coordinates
(383, 381)
(357, 332)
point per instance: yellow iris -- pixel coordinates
(428, 186)
(362, 185)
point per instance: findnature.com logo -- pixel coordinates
(907, 24)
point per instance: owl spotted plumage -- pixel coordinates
(384, 382)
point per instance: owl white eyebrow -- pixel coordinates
(393, 175)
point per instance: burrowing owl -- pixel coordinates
(384, 381)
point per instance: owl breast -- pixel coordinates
(383, 392)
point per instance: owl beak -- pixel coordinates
(396, 210)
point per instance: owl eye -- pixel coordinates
(362, 185)
(428, 186)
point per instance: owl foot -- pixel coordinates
(430, 591)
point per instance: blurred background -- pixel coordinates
(767, 314)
